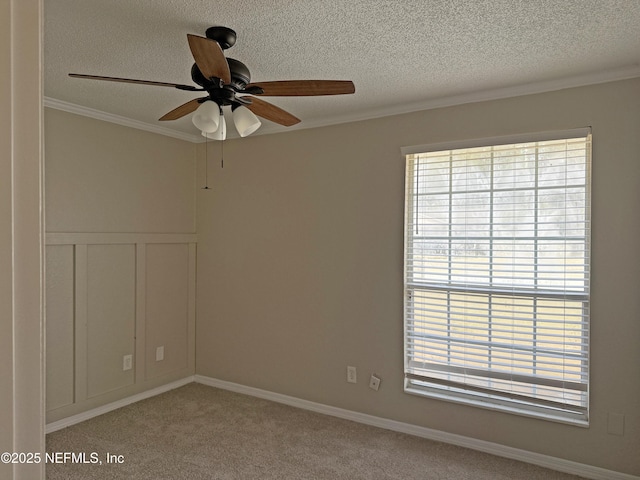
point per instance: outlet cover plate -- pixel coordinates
(127, 362)
(351, 375)
(374, 383)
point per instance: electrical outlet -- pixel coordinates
(160, 353)
(127, 362)
(351, 375)
(374, 382)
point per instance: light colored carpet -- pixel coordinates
(199, 432)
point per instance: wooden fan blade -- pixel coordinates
(131, 80)
(182, 110)
(292, 88)
(271, 112)
(209, 58)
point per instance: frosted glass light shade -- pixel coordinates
(245, 121)
(207, 117)
(220, 133)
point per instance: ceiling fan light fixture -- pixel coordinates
(220, 133)
(207, 117)
(245, 121)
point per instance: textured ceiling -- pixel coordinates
(401, 55)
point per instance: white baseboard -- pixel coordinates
(558, 464)
(554, 463)
(81, 417)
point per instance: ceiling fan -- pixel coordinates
(227, 83)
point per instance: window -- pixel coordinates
(497, 274)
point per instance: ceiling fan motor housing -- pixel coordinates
(240, 75)
(224, 94)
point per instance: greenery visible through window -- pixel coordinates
(497, 275)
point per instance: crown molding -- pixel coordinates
(533, 88)
(117, 119)
(612, 75)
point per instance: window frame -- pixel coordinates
(449, 391)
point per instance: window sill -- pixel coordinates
(488, 403)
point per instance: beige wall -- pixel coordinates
(21, 328)
(111, 296)
(300, 256)
(300, 266)
(102, 177)
(121, 247)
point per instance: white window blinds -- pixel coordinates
(497, 276)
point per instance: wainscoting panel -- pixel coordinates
(167, 308)
(60, 326)
(111, 308)
(110, 296)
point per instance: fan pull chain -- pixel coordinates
(206, 164)
(222, 154)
